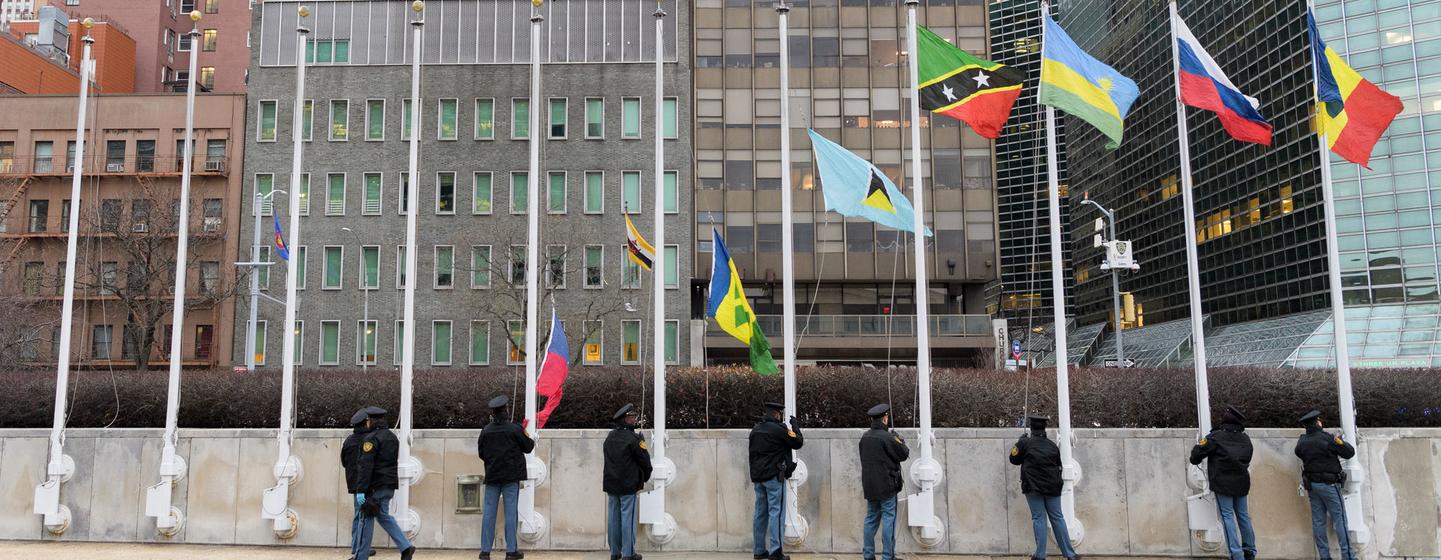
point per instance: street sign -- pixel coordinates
(1120, 363)
(1016, 349)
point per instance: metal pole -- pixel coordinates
(532, 523)
(172, 468)
(60, 466)
(1193, 268)
(795, 525)
(254, 285)
(1116, 293)
(409, 468)
(658, 275)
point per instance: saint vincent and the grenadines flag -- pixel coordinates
(732, 311)
(955, 83)
(853, 187)
(1351, 112)
(1077, 83)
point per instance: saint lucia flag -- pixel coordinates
(731, 310)
(854, 187)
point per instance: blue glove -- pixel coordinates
(359, 499)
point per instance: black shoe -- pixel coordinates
(1249, 555)
(485, 556)
(408, 553)
(517, 555)
(615, 557)
(760, 556)
(779, 556)
(636, 557)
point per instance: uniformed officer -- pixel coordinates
(627, 468)
(1040, 462)
(882, 452)
(1227, 452)
(376, 476)
(502, 445)
(771, 447)
(349, 460)
(1322, 477)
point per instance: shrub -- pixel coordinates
(724, 397)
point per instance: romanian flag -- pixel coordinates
(731, 310)
(553, 370)
(1077, 83)
(280, 248)
(956, 84)
(640, 250)
(1351, 112)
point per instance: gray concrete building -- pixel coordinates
(596, 161)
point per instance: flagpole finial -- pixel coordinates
(417, 6)
(304, 11)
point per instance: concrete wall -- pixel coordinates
(1131, 497)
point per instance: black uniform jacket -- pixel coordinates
(1227, 452)
(627, 462)
(503, 446)
(1040, 462)
(1321, 455)
(882, 452)
(350, 459)
(379, 457)
(770, 450)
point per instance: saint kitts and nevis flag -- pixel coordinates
(957, 84)
(1352, 113)
(732, 312)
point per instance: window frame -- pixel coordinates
(640, 338)
(639, 191)
(299, 343)
(550, 114)
(668, 360)
(598, 330)
(674, 191)
(449, 342)
(360, 281)
(307, 124)
(510, 343)
(639, 119)
(325, 268)
(672, 113)
(440, 119)
(588, 135)
(549, 260)
(300, 256)
(344, 187)
(360, 342)
(523, 208)
(514, 103)
(470, 358)
(585, 267)
(209, 39)
(453, 197)
(320, 358)
(475, 194)
(475, 120)
(663, 270)
(346, 135)
(262, 330)
(489, 267)
(400, 267)
(565, 192)
(266, 208)
(398, 346)
(585, 193)
(260, 120)
(365, 194)
(435, 267)
(368, 121)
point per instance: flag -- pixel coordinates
(731, 310)
(854, 187)
(957, 84)
(552, 371)
(280, 248)
(1351, 112)
(1205, 86)
(1076, 83)
(640, 251)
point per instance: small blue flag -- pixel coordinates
(280, 241)
(854, 187)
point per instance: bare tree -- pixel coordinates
(27, 322)
(136, 239)
(562, 270)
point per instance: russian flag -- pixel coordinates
(1204, 86)
(553, 370)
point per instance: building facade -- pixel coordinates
(11, 10)
(113, 52)
(597, 163)
(854, 279)
(160, 29)
(128, 225)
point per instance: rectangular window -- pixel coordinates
(299, 256)
(448, 125)
(630, 118)
(594, 118)
(212, 215)
(339, 120)
(307, 119)
(109, 275)
(207, 77)
(211, 6)
(365, 335)
(334, 260)
(403, 194)
(555, 266)
(668, 126)
(115, 155)
(672, 342)
(519, 193)
(517, 266)
(594, 192)
(519, 119)
(480, 343)
(144, 154)
(594, 266)
(630, 192)
(672, 191)
(370, 267)
(262, 273)
(482, 193)
(100, 341)
(406, 113)
(375, 119)
(515, 341)
(555, 195)
(480, 266)
(445, 192)
(214, 150)
(39, 216)
(299, 342)
(304, 194)
(444, 267)
(329, 343)
(260, 328)
(34, 277)
(400, 267)
(399, 351)
(335, 194)
(630, 272)
(372, 195)
(44, 157)
(440, 343)
(594, 349)
(484, 119)
(266, 122)
(209, 277)
(668, 266)
(630, 342)
(209, 38)
(557, 117)
(342, 51)
(183, 43)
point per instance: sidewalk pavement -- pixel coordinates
(24, 550)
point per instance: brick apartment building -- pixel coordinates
(113, 51)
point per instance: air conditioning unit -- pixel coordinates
(140, 227)
(215, 166)
(114, 167)
(70, 168)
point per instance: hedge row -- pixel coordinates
(725, 397)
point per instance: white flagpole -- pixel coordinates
(652, 504)
(409, 469)
(532, 523)
(796, 525)
(168, 519)
(61, 467)
(1355, 472)
(1070, 470)
(926, 471)
(288, 469)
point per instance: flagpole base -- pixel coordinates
(412, 471)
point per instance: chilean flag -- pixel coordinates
(553, 370)
(1204, 86)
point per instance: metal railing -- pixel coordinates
(871, 325)
(102, 164)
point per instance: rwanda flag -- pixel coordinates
(731, 310)
(854, 187)
(1352, 112)
(954, 83)
(1077, 83)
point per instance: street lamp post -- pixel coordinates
(1110, 218)
(255, 263)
